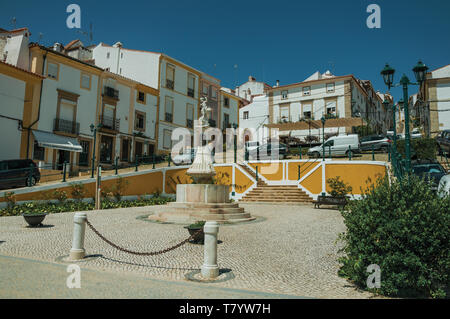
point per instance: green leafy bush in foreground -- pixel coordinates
(404, 228)
(76, 205)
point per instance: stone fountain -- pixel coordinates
(202, 200)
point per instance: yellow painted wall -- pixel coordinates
(174, 177)
(242, 182)
(356, 175)
(305, 168)
(271, 171)
(313, 182)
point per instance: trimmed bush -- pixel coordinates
(421, 148)
(404, 228)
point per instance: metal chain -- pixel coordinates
(142, 253)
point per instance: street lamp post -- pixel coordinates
(235, 142)
(323, 137)
(388, 77)
(94, 131)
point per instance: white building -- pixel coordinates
(14, 47)
(432, 106)
(252, 88)
(19, 97)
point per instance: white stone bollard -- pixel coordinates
(77, 251)
(210, 269)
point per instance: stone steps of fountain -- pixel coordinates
(204, 205)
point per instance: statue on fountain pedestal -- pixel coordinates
(202, 169)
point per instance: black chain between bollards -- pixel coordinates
(142, 253)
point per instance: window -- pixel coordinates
(167, 139)
(205, 89)
(307, 115)
(330, 87)
(85, 81)
(170, 77)
(138, 149)
(307, 90)
(108, 55)
(213, 93)
(226, 121)
(246, 115)
(284, 95)
(141, 97)
(189, 115)
(191, 85)
(168, 109)
(307, 111)
(226, 102)
(331, 108)
(52, 70)
(121, 55)
(38, 152)
(139, 123)
(284, 113)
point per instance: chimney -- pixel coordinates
(57, 47)
(251, 79)
(278, 83)
(118, 45)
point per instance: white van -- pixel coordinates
(337, 145)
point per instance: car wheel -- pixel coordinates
(347, 153)
(30, 182)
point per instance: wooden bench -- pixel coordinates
(329, 200)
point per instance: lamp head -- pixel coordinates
(388, 75)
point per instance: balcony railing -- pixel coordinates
(170, 84)
(284, 119)
(189, 123)
(66, 126)
(111, 92)
(110, 122)
(212, 123)
(168, 117)
(190, 92)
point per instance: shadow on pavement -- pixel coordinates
(143, 265)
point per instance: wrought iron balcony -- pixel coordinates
(109, 122)
(190, 92)
(226, 124)
(212, 123)
(170, 84)
(66, 126)
(168, 117)
(189, 123)
(111, 92)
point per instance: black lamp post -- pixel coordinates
(94, 131)
(388, 77)
(323, 137)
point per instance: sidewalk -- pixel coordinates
(27, 278)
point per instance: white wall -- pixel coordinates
(12, 93)
(443, 95)
(140, 66)
(16, 48)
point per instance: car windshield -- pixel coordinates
(427, 169)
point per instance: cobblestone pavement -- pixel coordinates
(288, 250)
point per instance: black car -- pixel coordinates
(430, 170)
(16, 173)
(375, 142)
(443, 141)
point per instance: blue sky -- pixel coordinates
(271, 40)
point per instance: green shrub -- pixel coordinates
(78, 191)
(338, 187)
(403, 227)
(60, 196)
(421, 148)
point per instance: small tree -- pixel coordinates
(338, 187)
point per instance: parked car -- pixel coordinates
(443, 141)
(430, 170)
(444, 186)
(337, 145)
(15, 173)
(375, 142)
(252, 149)
(185, 158)
(270, 150)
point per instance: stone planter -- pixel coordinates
(34, 220)
(200, 239)
(330, 200)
